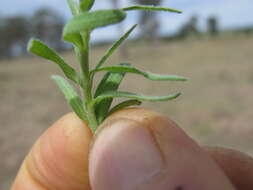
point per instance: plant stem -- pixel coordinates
(86, 82)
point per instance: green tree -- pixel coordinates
(148, 20)
(149, 2)
(123, 50)
(213, 28)
(190, 28)
(47, 24)
(14, 32)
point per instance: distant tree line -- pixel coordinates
(191, 28)
(46, 24)
(148, 20)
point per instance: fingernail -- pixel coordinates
(122, 153)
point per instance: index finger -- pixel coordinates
(236, 165)
(59, 159)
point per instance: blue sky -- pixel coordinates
(231, 13)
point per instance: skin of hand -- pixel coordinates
(134, 149)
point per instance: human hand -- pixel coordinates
(133, 149)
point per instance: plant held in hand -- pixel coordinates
(94, 108)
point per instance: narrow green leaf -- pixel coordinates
(75, 39)
(71, 96)
(148, 75)
(73, 7)
(110, 81)
(115, 46)
(150, 8)
(125, 104)
(117, 94)
(40, 49)
(91, 20)
(86, 5)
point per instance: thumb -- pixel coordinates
(59, 159)
(140, 149)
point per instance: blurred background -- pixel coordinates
(211, 43)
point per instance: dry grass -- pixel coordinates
(215, 108)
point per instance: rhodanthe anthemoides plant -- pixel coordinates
(91, 107)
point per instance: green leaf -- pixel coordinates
(150, 8)
(73, 7)
(125, 104)
(91, 20)
(148, 75)
(40, 49)
(71, 96)
(86, 5)
(75, 39)
(110, 81)
(117, 94)
(115, 46)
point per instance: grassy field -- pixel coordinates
(216, 107)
